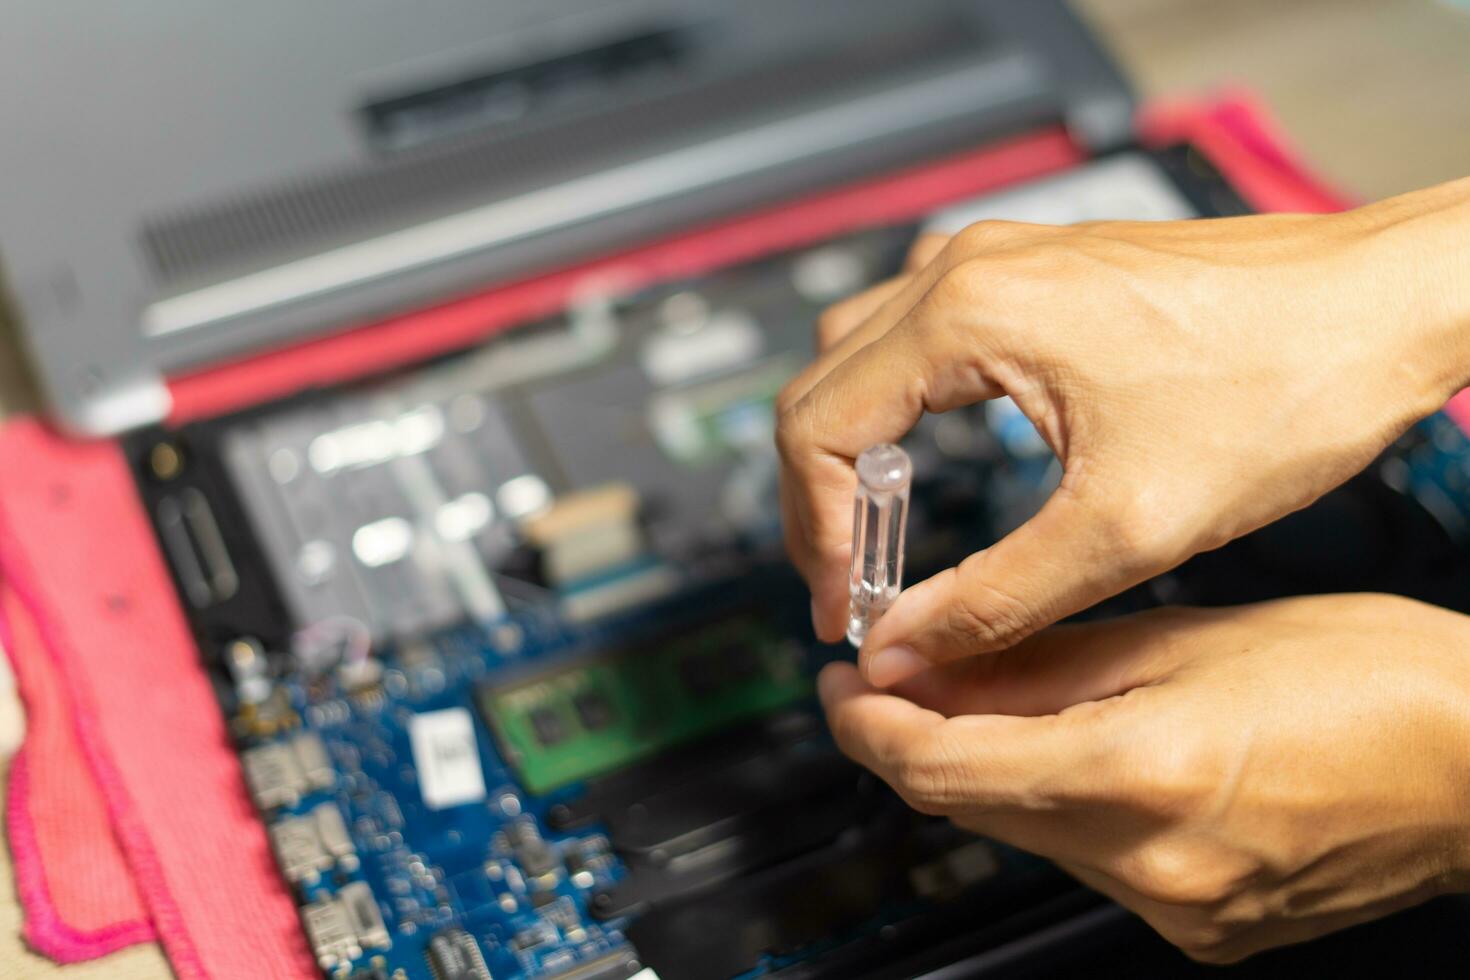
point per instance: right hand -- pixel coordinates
(1197, 380)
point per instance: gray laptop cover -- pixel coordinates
(181, 183)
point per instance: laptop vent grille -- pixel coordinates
(195, 246)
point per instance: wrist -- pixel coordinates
(1415, 251)
(1458, 877)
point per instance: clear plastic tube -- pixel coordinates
(879, 511)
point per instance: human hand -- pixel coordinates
(1197, 379)
(1240, 778)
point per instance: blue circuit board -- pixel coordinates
(417, 862)
(435, 868)
(431, 868)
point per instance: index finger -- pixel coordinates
(876, 395)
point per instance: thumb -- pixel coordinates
(1066, 558)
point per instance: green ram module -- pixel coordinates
(599, 715)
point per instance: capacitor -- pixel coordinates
(879, 511)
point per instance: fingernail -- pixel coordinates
(889, 666)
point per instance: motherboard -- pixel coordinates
(523, 687)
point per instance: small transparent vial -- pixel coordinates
(879, 511)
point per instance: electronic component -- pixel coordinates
(363, 915)
(246, 661)
(453, 954)
(299, 849)
(337, 641)
(270, 717)
(310, 844)
(594, 710)
(339, 928)
(363, 516)
(620, 964)
(548, 726)
(538, 935)
(642, 700)
(280, 773)
(331, 830)
(879, 512)
(447, 758)
(330, 933)
(632, 588)
(584, 858)
(594, 552)
(561, 911)
(531, 852)
(311, 756)
(191, 535)
(587, 533)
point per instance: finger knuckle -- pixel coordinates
(1157, 872)
(786, 401)
(983, 236)
(924, 250)
(1184, 877)
(1138, 534)
(929, 777)
(959, 286)
(1175, 778)
(986, 618)
(833, 323)
(791, 427)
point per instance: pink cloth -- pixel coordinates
(97, 631)
(1243, 140)
(127, 814)
(78, 892)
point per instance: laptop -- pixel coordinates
(443, 340)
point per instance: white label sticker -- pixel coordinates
(446, 757)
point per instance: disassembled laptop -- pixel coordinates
(520, 681)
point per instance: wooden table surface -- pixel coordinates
(1376, 93)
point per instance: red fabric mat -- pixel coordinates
(96, 605)
(71, 875)
(128, 817)
(1242, 139)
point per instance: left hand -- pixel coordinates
(1241, 778)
